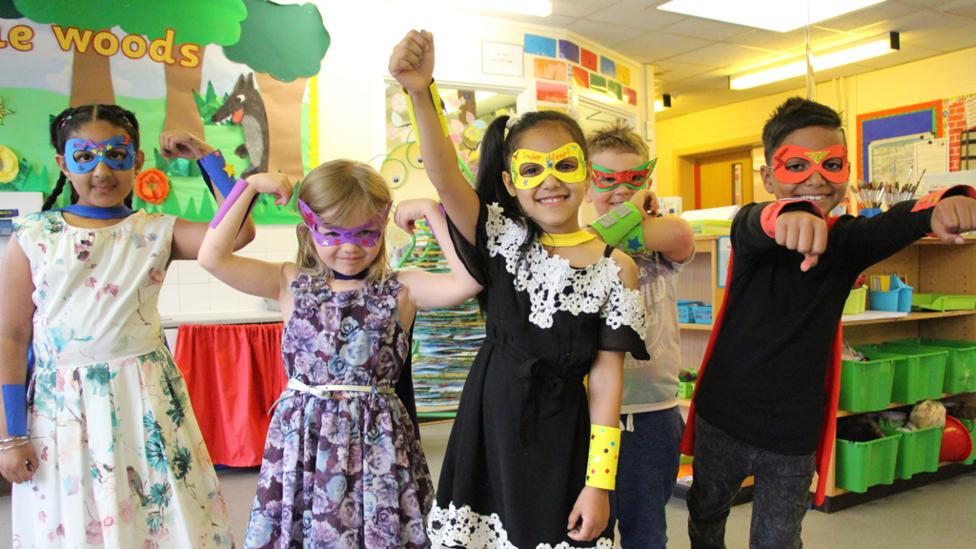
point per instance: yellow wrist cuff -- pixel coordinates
(601, 467)
(438, 108)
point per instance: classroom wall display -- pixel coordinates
(560, 60)
(228, 70)
(942, 127)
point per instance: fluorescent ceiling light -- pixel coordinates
(774, 15)
(874, 47)
(538, 8)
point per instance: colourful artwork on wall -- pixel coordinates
(549, 69)
(623, 74)
(550, 92)
(581, 77)
(230, 72)
(569, 51)
(608, 67)
(539, 45)
(588, 59)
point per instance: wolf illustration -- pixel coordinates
(244, 106)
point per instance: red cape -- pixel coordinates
(831, 386)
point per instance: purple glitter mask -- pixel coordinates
(366, 235)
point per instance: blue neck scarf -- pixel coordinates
(95, 212)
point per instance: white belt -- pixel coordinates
(325, 391)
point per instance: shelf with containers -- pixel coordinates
(930, 267)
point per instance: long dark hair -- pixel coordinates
(70, 120)
(496, 156)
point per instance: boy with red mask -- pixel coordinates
(767, 393)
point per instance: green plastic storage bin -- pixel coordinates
(917, 375)
(960, 373)
(918, 451)
(861, 465)
(856, 301)
(866, 386)
(930, 362)
(944, 302)
(971, 426)
(686, 389)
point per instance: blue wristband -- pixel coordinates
(217, 173)
(15, 408)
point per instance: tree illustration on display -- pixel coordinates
(211, 22)
(282, 62)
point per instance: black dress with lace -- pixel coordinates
(516, 458)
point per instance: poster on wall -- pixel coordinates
(228, 71)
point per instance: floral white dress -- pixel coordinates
(122, 461)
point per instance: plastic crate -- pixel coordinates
(861, 465)
(702, 314)
(856, 301)
(960, 374)
(929, 365)
(917, 375)
(944, 302)
(918, 452)
(866, 386)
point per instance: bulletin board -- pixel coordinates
(921, 118)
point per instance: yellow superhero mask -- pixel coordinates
(530, 168)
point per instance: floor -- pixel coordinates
(938, 515)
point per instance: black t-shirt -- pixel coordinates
(765, 380)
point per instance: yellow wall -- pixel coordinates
(940, 77)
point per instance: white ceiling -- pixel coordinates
(693, 57)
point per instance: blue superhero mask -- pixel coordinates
(82, 155)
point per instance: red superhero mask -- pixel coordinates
(793, 164)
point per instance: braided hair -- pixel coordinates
(70, 120)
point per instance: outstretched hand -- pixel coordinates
(275, 184)
(952, 217)
(412, 61)
(804, 232)
(183, 144)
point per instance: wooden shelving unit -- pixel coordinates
(930, 265)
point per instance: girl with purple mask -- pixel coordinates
(108, 453)
(343, 466)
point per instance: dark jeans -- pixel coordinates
(646, 475)
(780, 496)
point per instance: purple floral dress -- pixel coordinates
(347, 470)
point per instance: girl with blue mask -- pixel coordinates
(108, 451)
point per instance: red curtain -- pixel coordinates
(234, 374)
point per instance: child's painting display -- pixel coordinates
(468, 113)
(225, 70)
(445, 341)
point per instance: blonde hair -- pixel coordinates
(618, 137)
(339, 191)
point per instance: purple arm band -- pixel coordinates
(232, 197)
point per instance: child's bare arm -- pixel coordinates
(412, 65)
(435, 289)
(188, 235)
(252, 276)
(16, 316)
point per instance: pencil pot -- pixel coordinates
(897, 298)
(686, 389)
(868, 212)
